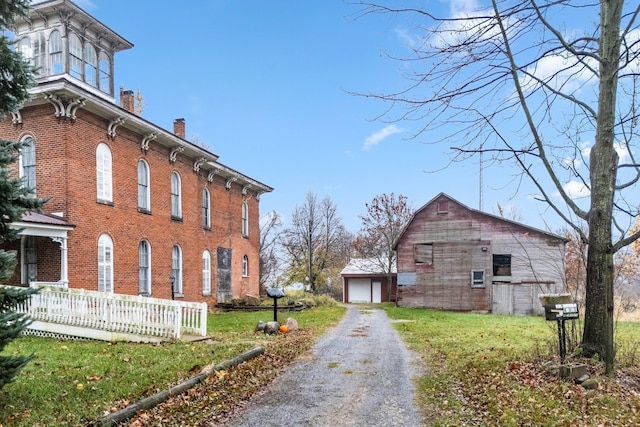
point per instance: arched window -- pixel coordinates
(28, 163)
(105, 264)
(176, 196)
(39, 54)
(245, 266)
(144, 197)
(206, 273)
(176, 269)
(245, 219)
(103, 173)
(75, 56)
(55, 53)
(206, 213)
(25, 48)
(90, 65)
(104, 72)
(144, 268)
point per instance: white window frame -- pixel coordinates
(144, 193)
(176, 269)
(477, 282)
(75, 56)
(104, 173)
(105, 264)
(55, 53)
(245, 266)
(104, 72)
(206, 273)
(176, 196)
(245, 219)
(144, 268)
(90, 66)
(206, 208)
(39, 52)
(28, 163)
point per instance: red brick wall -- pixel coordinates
(66, 173)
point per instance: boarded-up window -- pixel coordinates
(443, 207)
(501, 265)
(477, 279)
(424, 253)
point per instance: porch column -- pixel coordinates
(64, 278)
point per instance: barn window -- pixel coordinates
(443, 207)
(501, 265)
(423, 253)
(477, 279)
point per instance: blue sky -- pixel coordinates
(265, 85)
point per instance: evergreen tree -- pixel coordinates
(15, 199)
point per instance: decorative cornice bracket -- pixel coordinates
(245, 189)
(212, 173)
(113, 124)
(16, 117)
(64, 107)
(198, 162)
(144, 144)
(72, 107)
(173, 156)
(229, 182)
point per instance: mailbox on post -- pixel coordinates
(276, 294)
(560, 313)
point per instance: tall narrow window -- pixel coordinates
(206, 214)
(104, 72)
(39, 55)
(30, 259)
(28, 163)
(75, 56)
(144, 268)
(176, 270)
(144, 202)
(206, 273)
(245, 219)
(105, 264)
(55, 53)
(90, 65)
(176, 196)
(103, 173)
(245, 266)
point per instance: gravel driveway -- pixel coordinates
(358, 374)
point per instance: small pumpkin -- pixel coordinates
(283, 329)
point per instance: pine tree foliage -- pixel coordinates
(16, 75)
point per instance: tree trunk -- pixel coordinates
(598, 326)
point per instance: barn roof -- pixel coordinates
(477, 212)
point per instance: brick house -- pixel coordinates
(132, 208)
(452, 257)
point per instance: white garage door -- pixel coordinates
(359, 290)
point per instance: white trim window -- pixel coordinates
(245, 219)
(39, 54)
(144, 268)
(206, 208)
(176, 196)
(206, 273)
(104, 72)
(105, 264)
(55, 53)
(144, 195)
(245, 266)
(477, 279)
(103, 173)
(28, 163)
(176, 269)
(90, 65)
(75, 56)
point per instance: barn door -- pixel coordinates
(502, 298)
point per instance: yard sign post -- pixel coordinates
(561, 313)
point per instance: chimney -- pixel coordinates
(126, 99)
(178, 128)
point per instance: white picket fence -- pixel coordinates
(122, 315)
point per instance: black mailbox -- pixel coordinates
(561, 311)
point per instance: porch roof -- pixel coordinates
(42, 224)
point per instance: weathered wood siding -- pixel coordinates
(464, 240)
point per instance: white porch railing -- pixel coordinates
(122, 314)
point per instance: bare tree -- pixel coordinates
(270, 229)
(382, 225)
(315, 241)
(509, 82)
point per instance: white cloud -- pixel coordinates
(576, 190)
(376, 138)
